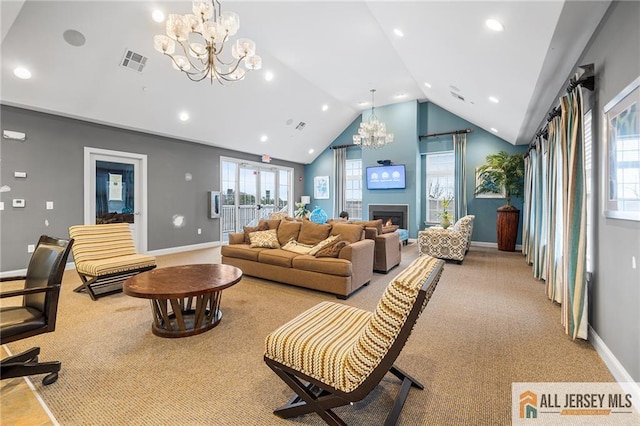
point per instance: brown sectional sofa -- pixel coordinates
(341, 275)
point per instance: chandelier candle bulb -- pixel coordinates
(203, 36)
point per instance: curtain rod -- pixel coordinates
(342, 146)
(586, 80)
(454, 132)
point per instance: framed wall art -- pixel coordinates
(321, 187)
(622, 154)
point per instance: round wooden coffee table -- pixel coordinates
(185, 300)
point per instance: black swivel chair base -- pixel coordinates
(26, 364)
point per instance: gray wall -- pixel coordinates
(615, 294)
(53, 157)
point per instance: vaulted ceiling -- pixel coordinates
(318, 52)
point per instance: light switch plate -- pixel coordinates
(20, 174)
(1, 205)
(49, 205)
(18, 202)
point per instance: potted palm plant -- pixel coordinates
(504, 171)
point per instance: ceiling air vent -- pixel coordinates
(301, 125)
(133, 61)
(455, 95)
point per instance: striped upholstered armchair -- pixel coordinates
(451, 243)
(333, 355)
(105, 256)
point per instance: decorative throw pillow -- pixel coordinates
(279, 215)
(296, 247)
(264, 239)
(389, 228)
(332, 250)
(327, 241)
(312, 233)
(262, 226)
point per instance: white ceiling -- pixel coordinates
(320, 52)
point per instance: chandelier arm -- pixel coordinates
(186, 55)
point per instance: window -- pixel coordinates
(353, 195)
(440, 184)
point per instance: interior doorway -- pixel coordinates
(115, 191)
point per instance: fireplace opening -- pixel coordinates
(397, 214)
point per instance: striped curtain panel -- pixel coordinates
(574, 307)
(460, 153)
(340, 162)
(527, 240)
(555, 225)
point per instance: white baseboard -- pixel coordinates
(617, 370)
(491, 245)
(181, 249)
(160, 252)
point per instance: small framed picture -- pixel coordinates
(321, 187)
(498, 192)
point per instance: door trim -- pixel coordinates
(88, 191)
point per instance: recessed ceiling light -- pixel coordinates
(428, 85)
(363, 103)
(398, 32)
(325, 107)
(401, 95)
(184, 116)
(311, 151)
(494, 25)
(494, 130)
(268, 76)
(493, 99)
(263, 138)
(22, 73)
(158, 15)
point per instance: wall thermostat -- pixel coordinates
(18, 202)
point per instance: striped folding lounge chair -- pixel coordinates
(333, 355)
(105, 256)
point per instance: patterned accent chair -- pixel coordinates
(333, 355)
(105, 256)
(451, 243)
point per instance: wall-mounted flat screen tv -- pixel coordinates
(386, 177)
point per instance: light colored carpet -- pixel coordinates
(488, 324)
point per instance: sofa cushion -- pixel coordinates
(312, 233)
(288, 230)
(332, 250)
(377, 224)
(266, 239)
(322, 244)
(277, 257)
(261, 226)
(241, 251)
(323, 265)
(350, 232)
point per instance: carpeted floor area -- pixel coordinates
(488, 324)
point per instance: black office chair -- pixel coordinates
(37, 314)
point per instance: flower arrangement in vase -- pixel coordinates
(301, 210)
(445, 216)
